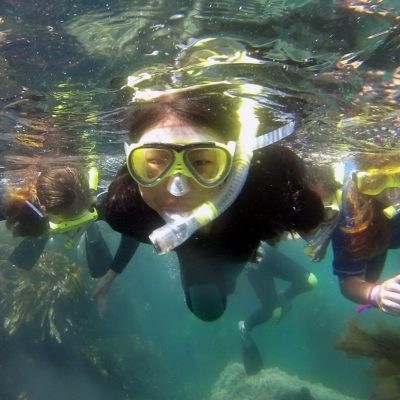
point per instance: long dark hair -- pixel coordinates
(212, 110)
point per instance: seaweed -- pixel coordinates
(43, 298)
(383, 347)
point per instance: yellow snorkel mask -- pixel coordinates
(207, 163)
(373, 182)
(73, 226)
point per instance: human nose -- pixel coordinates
(178, 185)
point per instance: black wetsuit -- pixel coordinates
(275, 198)
(262, 279)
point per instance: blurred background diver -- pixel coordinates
(368, 227)
(59, 200)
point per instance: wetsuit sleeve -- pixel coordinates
(126, 249)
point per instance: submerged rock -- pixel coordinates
(269, 384)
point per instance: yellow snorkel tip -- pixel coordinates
(391, 211)
(93, 178)
(307, 250)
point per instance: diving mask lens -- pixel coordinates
(374, 183)
(148, 165)
(209, 166)
(207, 163)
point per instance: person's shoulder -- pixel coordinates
(122, 184)
(124, 209)
(120, 195)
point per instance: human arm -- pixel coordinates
(358, 277)
(126, 249)
(385, 296)
(355, 288)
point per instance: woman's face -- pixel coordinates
(159, 197)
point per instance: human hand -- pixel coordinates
(101, 290)
(386, 296)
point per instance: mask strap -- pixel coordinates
(35, 210)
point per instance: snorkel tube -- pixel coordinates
(179, 228)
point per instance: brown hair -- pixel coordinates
(211, 110)
(63, 191)
(366, 228)
(321, 177)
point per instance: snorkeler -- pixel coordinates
(369, 225)
(366, 227)
(193, 183)
(268, 265)
(61, 200)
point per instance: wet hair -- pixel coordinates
(63, 191)
(322, 179)
(365, 226)
(210, 110)
(20, 216)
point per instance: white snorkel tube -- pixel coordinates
(179, 228)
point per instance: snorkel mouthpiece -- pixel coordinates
(180, 227)
(172, 234)
(178, 185)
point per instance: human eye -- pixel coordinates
(157, 158)
(202, 163)
(157, 161)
